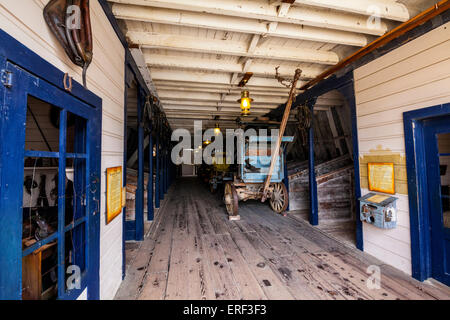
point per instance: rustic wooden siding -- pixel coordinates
(414, 76)
(334, 190)
(24, 21)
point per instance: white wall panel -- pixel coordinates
(414, 76)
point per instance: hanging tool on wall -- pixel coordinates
(70, 22)
(287, 112)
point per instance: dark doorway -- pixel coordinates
(437, 151)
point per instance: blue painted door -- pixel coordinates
(70, 159)
(437, 147)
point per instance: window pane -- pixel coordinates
(75, 190)
(40, 199)
(75, 255)
(42, 126)
(76, 134)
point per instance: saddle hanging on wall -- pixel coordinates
(70, 22)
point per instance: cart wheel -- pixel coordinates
(280, 198)
(231, 200)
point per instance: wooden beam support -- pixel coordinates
(387, 10)
(313, 200)
(150, 203)
(234, 48)
(201, 77)
(229, 66)
(263, 11)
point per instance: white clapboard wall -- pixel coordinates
(414, 76)
(24, 21)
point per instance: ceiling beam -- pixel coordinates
(387, 9)
(234, 48)
(232, 104)
(221, 91)
(196, 99)
(234, 78)
(142, 66)
(241, 25)
(214, 97)
(258, 69)
(207, 105)
(172, 113)
(227, 112)
(283, 9)
(262, 10)
(194, 85)
(209, 78)
(253, 43)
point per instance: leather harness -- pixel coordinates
(76, 41)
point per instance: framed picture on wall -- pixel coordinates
(114, 193)
(381, 177)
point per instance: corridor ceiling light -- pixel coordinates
(217, 129)
(245, 102)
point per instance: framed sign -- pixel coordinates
(381, 177)
(114, 193)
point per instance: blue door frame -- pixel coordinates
(33, 75)
(440, 235)
(419, 202)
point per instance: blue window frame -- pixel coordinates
(31, 76)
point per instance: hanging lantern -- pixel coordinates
(217, 129)
(245, 102)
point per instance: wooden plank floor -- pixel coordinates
(193, 252)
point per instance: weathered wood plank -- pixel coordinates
(199, 281)
(248, 285)
(301, 287)
(269, 282)
(130, 287)
(225, 286)
(217, 218)
(203, 217)
(178, 269)
(358, 277)
(154, 287)
(163, 246)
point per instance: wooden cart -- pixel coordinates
(254, 167)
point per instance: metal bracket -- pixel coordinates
(6, 78)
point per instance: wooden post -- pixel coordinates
(286, 176)
(314, 215)
(150, 213)
(161, 172)
(139, 211)
(287, 112)
(157, 159)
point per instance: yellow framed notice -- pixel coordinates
(114, 193)
(381, 177)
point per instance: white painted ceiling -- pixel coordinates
(197, 51)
